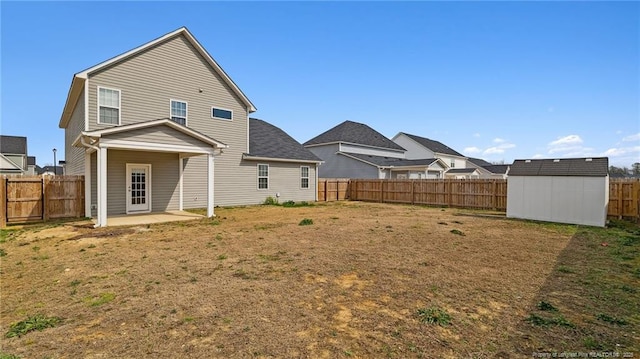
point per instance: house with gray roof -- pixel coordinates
(355, 150)
(163, 127)
(422, 147)
(565, 190)
(13, 155)
(488, 170)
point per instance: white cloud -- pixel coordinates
(472, 149)
(617, 152)
(500, 149)
(566, 141)
(537, 155)
(635, 137)
(498, 140)
(476, 135)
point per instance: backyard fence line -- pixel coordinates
(40, 198)
(624, 193)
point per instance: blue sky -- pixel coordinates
(495, 80)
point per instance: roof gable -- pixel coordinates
(354, 132)
(8, 165)
(16, 145)
(269, 141)
(434, 146)
(382, 161)
(587, 167)
(79, 78)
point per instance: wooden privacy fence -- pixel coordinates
(624, 198)
(461, 193)
(332, 189)
(35, 198)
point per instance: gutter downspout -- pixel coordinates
(97, 149)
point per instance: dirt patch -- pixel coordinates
(253, 283)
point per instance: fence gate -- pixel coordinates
(24, 199)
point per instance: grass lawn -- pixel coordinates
(336, 280)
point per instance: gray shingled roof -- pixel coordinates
(596, 167)
(390, 161)
(461, 170)
(267, 140)
(497, 169)
(13, 145)
(354, 132)
(479, 162)
(434, 146)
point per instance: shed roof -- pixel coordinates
(16, 145)
(269, 141)
(585, 167)
(433, 145)
(354, 132)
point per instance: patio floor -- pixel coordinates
(154, 217)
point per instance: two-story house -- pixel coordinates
(163, 127)
(355, 150)
(13, 155)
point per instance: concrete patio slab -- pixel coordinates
(148, 218)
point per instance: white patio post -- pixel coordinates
(210, 176)
(87, 184)
(102, 187)
(180, 182)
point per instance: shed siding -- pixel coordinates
(74, 156)
(164, 179)
(563, 199)
(370, 151)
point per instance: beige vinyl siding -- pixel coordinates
(164, 180)
(94, 185)
(74, 156)
(158, 134)
(284, 178)
(372, 151)
(194, 183)
(174, 70)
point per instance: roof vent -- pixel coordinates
(527, 161)
(556, 160)
(589, 159)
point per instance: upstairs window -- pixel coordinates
(263, 176)
(221, 113)
(453, 163)
(179, 112)
(304, 177)
(108, 106)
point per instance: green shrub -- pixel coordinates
(37, 322)
(434, 315)
(306, 222)
(270, 201)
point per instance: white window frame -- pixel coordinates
(267, 176)
(119, 105)
(307, 177)
(186, 110)
(221, 118)
(453, 163)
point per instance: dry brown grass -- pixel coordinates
(253, 283)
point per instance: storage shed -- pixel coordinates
(568, 190)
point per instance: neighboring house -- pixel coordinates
(50, 170)
(488, 170)
(13, 155)
(398, 168)
(568, 190)
(32, 168)
(340, 146)
(146, 128)
(422, 147)
(462, 173)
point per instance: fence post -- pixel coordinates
(620, 200)
(448, 187)
(45, 197)
(381, 191)
(3, 202)
(413, 200)
(495, 195)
